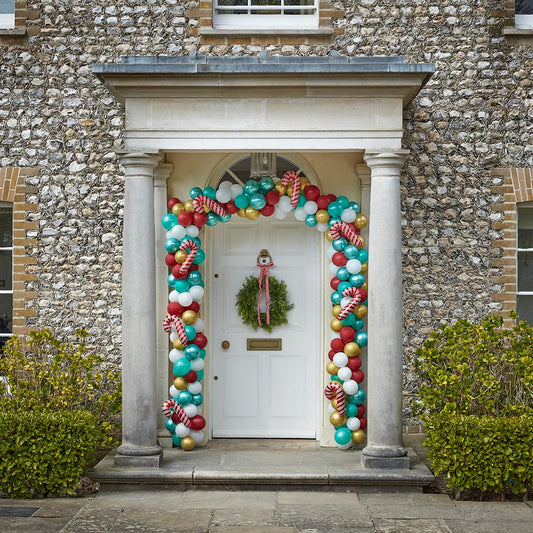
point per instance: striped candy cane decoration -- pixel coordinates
(178, 324)
(201, 200)
(172, 409)
(291, 177)
(186, 265)
(356, 295)
(343, 229)
(335, 390)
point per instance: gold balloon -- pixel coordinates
(188, 206)
(180, 383)
(322, 216)
(331, 368)
(336, 325)
(336, 310)
(363, 241)
(334, 403)
(180, 256)
(361, 311)
(364, 286)
(360, 221)
(177, 208)
(251, 213)
(337, 419)
(357, 436)
(352, 349)
(206, 209)
(282, 189)
(177, 344)
(329, 236)
(241, 213)
(187, 443)
(364, 268)
(189, 317)
(304, 182)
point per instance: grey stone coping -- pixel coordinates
(207, 31)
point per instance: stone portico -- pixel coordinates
(309, 105)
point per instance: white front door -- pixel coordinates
(271, 393)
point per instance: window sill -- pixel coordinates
(18, 32)
(257, 32)
(518, 36)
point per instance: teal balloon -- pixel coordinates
(242, 201)
(336, 298)
(184, 397)
(176, 440)
(212, 219)
(335, 209)
(356, 280)
(181, 285)
(344, 202)
(258, 201)
(203, 353)
(191, 351)
(351, 410)
(198, 399)
(359, 397)
(349, 320)
(250, 187)
(190, 332)
(351, 251)
(194, 277)
(225, 218)
(359, 323)
(200, 257)
(195, 191)
(171, 280)
(310, 220)
(210, 193)
(200, 374)
(169, 425)
(362, 256)
(355, 207)
(301, 200)
(343, 274)
(339, 244)
(361, 338)
(172, 245)
(181, 367)
(169, 221)
(333, 220)
(266, 184)
(343, 436)
(342, 286)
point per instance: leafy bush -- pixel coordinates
(490, 454)
(46, 373)
(45, 453)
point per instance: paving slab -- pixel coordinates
(317, 498)
(323, 517)
(496, 510)
(252, 529)
(199, 499)
(411, 526)
(142, 499)
(170, 521)
(408, 511)
(242, 517)
(490, 526)
(26, 525)
(93, 520)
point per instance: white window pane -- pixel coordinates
(524, 308)
(7, 14)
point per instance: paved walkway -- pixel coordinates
(266, 512)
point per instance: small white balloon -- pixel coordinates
(173, 296)
(310, 207)
(177, 232)
(344, 373)
(353, 423)
(199, 325)
(185, 298)
(235, 190)
(344, 446)
(353, 266)
(196, 292)
(340, 359)
(192, 230)
(280, 214)
(285, 204)
(182, 430)
(350, 387)
(348, 215)
(173, 391)
(195, 387)
(191, 410)
(330, 251)
(198, 436)
(322, 228)
(345, 301)
(197, 364)
(223, 195)
(174, 355)
(333, 269)
(300, 214)
(225, 185)
(173, 336)
(330, 408)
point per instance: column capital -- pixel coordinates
(388, 163)
(161, 174)
(139, 164)
(362, 172)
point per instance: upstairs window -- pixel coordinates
(7, 14)
(524, 263)
(524, 14)
(6, 271)
(265, 14)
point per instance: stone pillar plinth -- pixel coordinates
(384, 447)
(139, 409)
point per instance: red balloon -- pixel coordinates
(334, 283)
(322, 202)
(363, 423)
(337, 345)
(199, 219)
(185, 218)
(171, 202)
(176, 270)
(230, 207)
(197, 423)
(174, 308)
(195, 306)
(170, 260)
(311, 192)
(194, 267)
(358, 375)
(347, 334)
(361, 411)
(339, 259)
(331, 353)
(267, 211)
(191, 376)
(200, 340)
(272, 197)
(354, 363)
(364, 295)
(331, 198)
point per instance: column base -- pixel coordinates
(138, 456)
(385, 458)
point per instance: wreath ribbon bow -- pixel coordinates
(263, 278)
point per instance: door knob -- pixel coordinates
(225, 345)
(216, 378)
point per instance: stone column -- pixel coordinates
(161, 174)
(384, 447)
(139, 446)
(363, 174)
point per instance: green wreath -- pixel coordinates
(279, 305)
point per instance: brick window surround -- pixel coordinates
(210, 35)
(14, 190)
(515, 186)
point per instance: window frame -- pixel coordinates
(9, 249)
(520, 206)
(523, 21)
(7, 14)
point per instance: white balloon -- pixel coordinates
(173, 296)
(330, 409)
(334, 335)
(344, 446)
(345, 301)
(353, 266)
(192, 230)
(340, 359)
(185, 298)
(199, 325)
(191, 410)
(197, 364)
(177, 232)
(333, 269)
(280, 214)
(198, 436)
(322, 228)
(310, 207)
(285, 204)
(196, 292)
(195, 387)
(174, 355)
(182, 430)
(353, 423)
(300, 214)
(348, 215)
(173, 336)
(236, 190)
(330, 251)
(344, 373)
(173, 391)
(350, 387)
(225, 185)
(223, 195)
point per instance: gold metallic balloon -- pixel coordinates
(336, 310)
(241, 213)
(361, 311)
(188, 206)
(337, 419)
(177, 208)
(282, 189)
(251, 213)
(352, 349)
(364, 268)
(177, 344)
(357, 436)
(180, 256)
(206, 209)
(360, 221)
(336, 325)
(363, 241)
(364, 286)
(189, 317)
(334, 403)
(329, 236)
(180, 383)
(304, 182)
(331, 368)
(322, 216)
(187, 443)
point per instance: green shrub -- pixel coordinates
(487, 453)
(44, 453)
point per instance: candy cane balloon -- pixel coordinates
(356, 295)
(291, 177)
(186, 265)
(178, 324)
(343, 229)
(201, 200)
(335, 390)
(172, 409)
